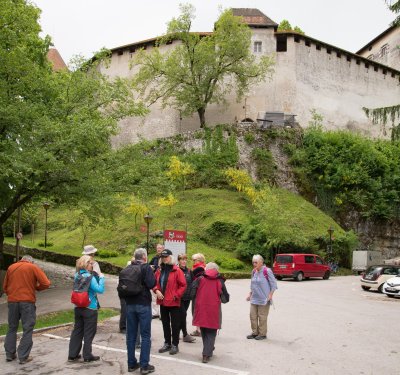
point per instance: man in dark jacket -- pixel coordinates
(138, 313)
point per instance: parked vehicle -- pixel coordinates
(376, 276)
(300, 266)
(392, 287)
(362, 259)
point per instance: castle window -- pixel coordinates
(348, 58)
(257, 47)
(308, 44)
(120, 52)
(281, 43)
(318, 47)
(375, 68)
(384, 50)
(338, 54)
(297, 39)
(366, 65)
(358, 61)
(328, 51)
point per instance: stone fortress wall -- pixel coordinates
(308, 74)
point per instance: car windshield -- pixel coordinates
(284, 259)
(373, 269)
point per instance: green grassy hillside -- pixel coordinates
(217, 222)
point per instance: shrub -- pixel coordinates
(229, 263)
(48, 244)
(222, 234)
(265, 164)
(107, 253)
(249, 138)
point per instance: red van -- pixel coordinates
(300, 266)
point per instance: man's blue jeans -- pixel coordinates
(138, 315)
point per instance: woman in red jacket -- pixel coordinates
(209, 291)
(171, 284)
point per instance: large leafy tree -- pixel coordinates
(384, 114)
(202, 69)
(55, 127)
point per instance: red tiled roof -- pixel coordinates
(55, 58)
(254, 17)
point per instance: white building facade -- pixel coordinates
(308, 74)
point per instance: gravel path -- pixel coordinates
(61, 275)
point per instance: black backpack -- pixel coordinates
(130, 281)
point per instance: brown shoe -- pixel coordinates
(205, 359)
(25, 360)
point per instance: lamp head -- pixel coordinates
(148, 218)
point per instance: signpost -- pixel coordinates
(175, 240)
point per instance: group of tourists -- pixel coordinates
(143, 287)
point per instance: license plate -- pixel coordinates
(391, 289)
(282, 266)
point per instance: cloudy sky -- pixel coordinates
(85, 26)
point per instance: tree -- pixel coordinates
(179, 170)
(136, 207)
(286, 26)
(202, 69)
(167, 201)
(55, 127)
(383, 114)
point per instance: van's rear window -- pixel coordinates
(284, 259)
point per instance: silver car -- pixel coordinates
(392, 287)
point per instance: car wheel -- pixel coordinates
(380, 289)
(279, 277)
(299, 276)
(365, 287)
(326, 275)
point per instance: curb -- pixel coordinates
(43, 329)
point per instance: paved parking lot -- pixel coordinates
(317, 327)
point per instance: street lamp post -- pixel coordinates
(46, 206)
(148, 218)
(330, 232)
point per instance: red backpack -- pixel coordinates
(80, 291)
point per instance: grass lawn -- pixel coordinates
(60, 317)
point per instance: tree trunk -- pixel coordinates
(202, 116)
(2, 265)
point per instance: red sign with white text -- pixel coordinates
(175, 240)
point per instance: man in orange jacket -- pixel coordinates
(20, 284)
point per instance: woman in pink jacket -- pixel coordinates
(209, 291)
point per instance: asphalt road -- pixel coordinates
(317, 327)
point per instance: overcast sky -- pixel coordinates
(85, 26)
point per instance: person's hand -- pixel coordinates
(159, 295)
(96, 268)
(248, 297)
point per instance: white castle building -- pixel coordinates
(309, 74)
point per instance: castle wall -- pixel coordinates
(338, 86)
(308, 75)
